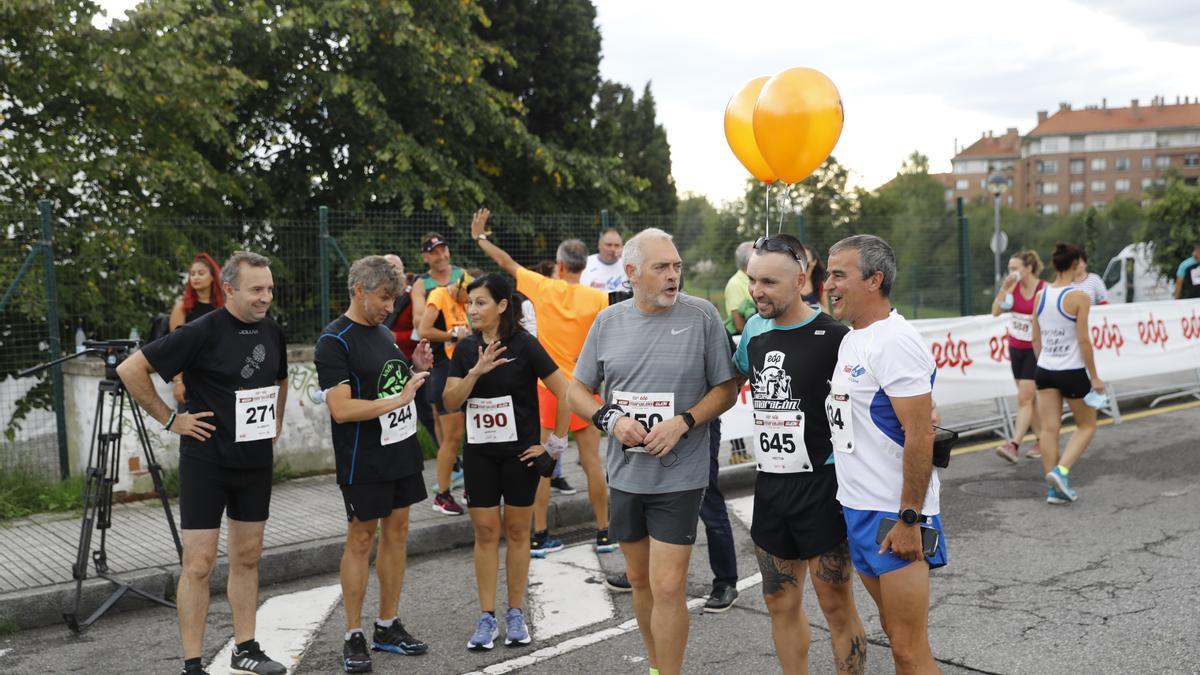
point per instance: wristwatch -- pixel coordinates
(911, 517)
(688, 419)
(481, 237)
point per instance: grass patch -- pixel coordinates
(8, 627)
(23, 493)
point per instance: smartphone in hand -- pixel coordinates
(930, 537)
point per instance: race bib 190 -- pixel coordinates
(491, 420)
(255, 412)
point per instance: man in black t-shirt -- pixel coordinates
(788, 350)
(369, 389)
(234, 365)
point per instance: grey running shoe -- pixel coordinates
(515, 631)
(253, 661)
(486, 632)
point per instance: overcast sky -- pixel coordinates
(913, 75)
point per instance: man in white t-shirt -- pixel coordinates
(880, 407)
(606, 269)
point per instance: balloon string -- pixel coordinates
(779, 229)
(767, 210)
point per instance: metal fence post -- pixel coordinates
(603, 219)
(323, 265)
(966, 302)
(56, 375)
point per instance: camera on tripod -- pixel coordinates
(114, 352)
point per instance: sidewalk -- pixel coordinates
(304, 535)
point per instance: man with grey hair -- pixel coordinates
(565, 310)
(234, 365)
(370, 390)
(657, 417)
(879, 409)
(737, 293)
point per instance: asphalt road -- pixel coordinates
(1105, 585)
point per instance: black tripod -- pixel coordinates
(104, 456)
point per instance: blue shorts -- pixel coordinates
(861, 527)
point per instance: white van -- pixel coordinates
(1132, 277)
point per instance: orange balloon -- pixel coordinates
(797, 121)
(739, 130)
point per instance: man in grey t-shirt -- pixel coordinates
(664, 358)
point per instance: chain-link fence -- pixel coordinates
(115, 275)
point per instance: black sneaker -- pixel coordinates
(395, 639)
(198, 670)
(355, 657)
(561, 486)
(722, 598)
(254, 662)
(603, 543)
(618, 583)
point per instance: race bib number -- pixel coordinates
(397, 425)
(841, 421)
(647, 408)
(779, 442)
(1020, 327)
(255, 412)
(491, 420)
(1195, 272)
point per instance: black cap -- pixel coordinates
(431, 242)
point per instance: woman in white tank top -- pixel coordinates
(1066, 369)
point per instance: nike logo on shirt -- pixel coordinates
(677, 332)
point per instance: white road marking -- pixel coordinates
(579, 642)
(565, 592)
(4, 651)
(286, 624)
(742, 508)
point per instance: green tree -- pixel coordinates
(1173, 225)
(628, 128)
(822, 201)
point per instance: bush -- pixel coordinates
(23, 493)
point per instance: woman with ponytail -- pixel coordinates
(1066, 369)
(1016, 296)
(493, 377)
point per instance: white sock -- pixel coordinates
(352, 631)
(385, 622)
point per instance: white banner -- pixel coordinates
(971, 353)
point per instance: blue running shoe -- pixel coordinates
(1052, 497)
(456, 478)
(486, 632)
(1056, 480)
(543, 544)
(603, 543)
(515, 631)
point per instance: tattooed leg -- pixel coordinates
(832, 577)
(783, 590)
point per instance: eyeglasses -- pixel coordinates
(774, 245)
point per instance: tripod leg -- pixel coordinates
(155, 470)
(92, 494)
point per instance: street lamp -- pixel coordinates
(997, 184)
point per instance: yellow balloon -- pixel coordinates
(797, 121)
(739, 130)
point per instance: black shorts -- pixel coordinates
(1024, 363)
(797, 515)
(368, 501)
(206, 490)
(488, 478)
(669, 517)
(1072, 383)
(435, 386)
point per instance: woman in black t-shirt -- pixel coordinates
(201, 294)
(493, 378)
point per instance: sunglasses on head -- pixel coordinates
(774, 245)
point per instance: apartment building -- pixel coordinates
(1077, 158)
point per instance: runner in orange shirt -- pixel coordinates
(565, 312)
(443, 323)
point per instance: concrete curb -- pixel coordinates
(44, 606)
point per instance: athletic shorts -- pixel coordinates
(548, 408)
(206, 490)
(488, 479)
(1072, 383)
(368, 501)
(861, 528)
(436, 386)
(1024, 363)
(797, 515)
(669, 517)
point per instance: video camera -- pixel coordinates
(114, 352)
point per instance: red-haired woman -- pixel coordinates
(201, 294)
